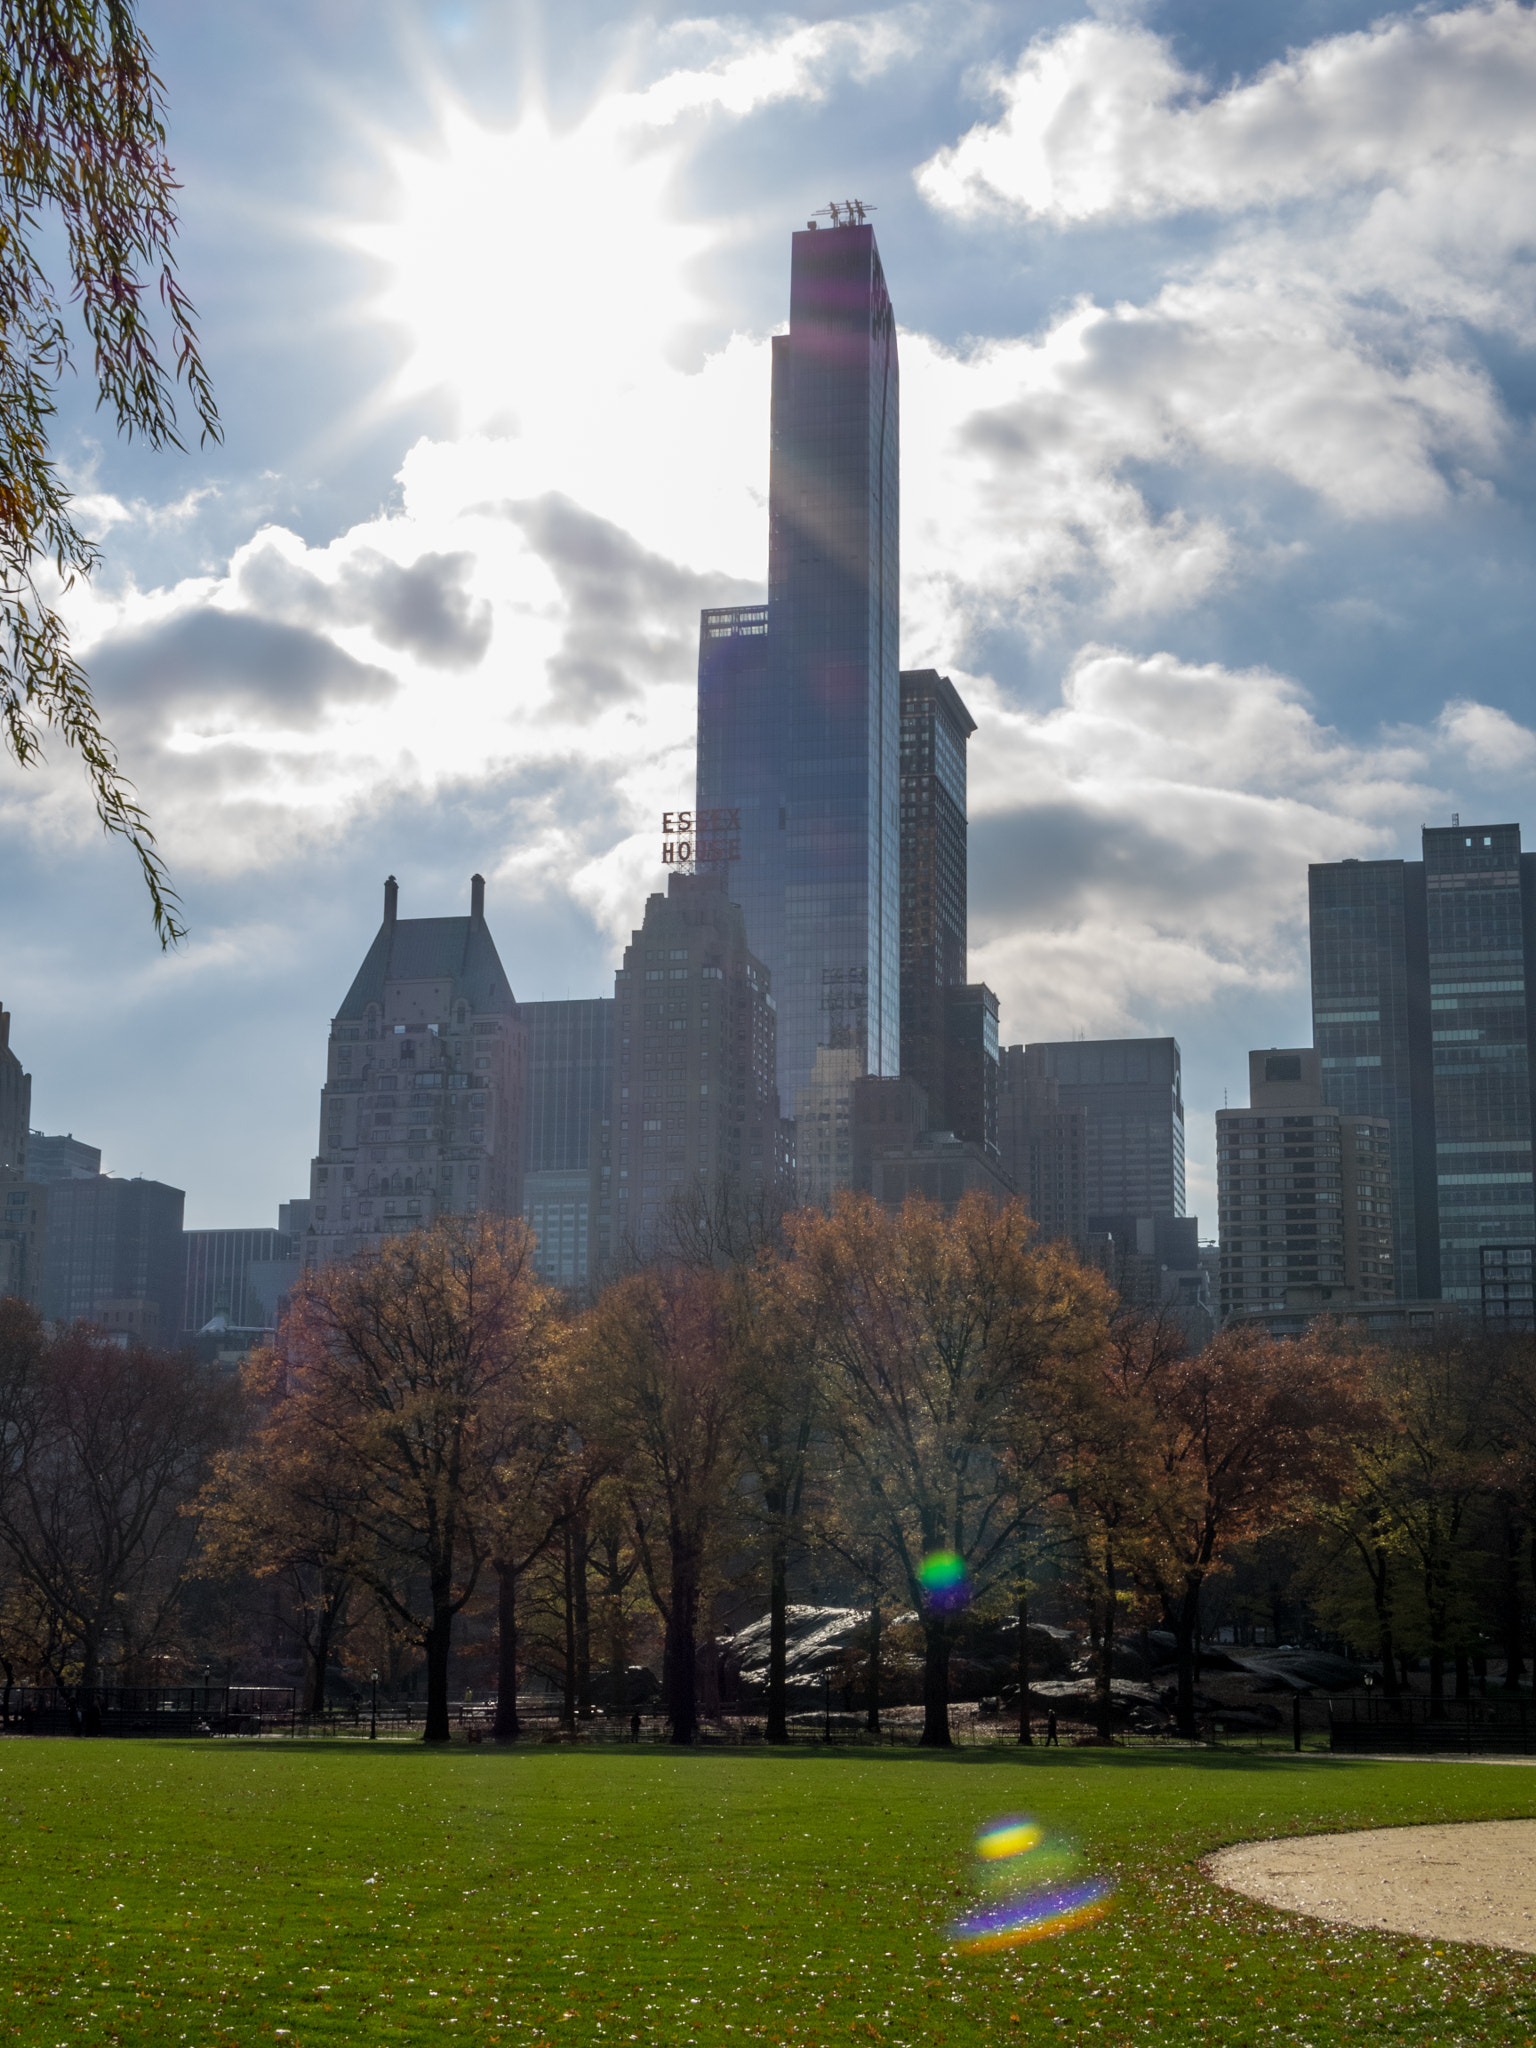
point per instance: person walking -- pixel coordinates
(634, 1726)
(1052, 1740)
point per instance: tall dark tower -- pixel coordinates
(799, 717)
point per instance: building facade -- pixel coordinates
(570, 1083)
(1131, 1093)
(935, 727)
(113, 1243)
(15, 1102)
(691, 1139)
(51, 1158)
(799, 703)
(1480, 900)
(1304, 1194)
(422, 1111)
(897, 1154)
(228, 1274)
(1371, 1029)
(1423, 982)
(1043, 1149)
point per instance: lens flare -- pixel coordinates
(1036, 1888)
(942, 1577)
(1037, 1916)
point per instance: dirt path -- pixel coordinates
(1475, 1882)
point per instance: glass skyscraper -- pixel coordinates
(570, 1076)
(1422, 979)
(1481, 922)
(1370, 1024)
(799, 701)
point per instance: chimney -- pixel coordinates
(391, 898)
(5, 1028)
(477, 896)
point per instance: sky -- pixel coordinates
(1218, 357)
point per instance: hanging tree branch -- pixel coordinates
(82, 138)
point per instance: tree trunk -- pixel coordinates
(1512, 1631)
(438, 1646)
(1024, 1732)
(1103, 1691)
(1463, 1676)
(581, 1552)
(680, 1652)
(936, 1733)
(778, 1641)
(318, 1654)
(568, 1601)
(505, 1728)
(1381, 1595)
(872, 1694)
(1185, 1617)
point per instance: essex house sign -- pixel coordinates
(700, 839)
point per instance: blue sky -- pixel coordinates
(1217, 338)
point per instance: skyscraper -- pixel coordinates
(1371, 1029)
(1043, 1149)
(1131, 1092)
(570, 1077)
(421, 1113)
(799, 717)
(15, 1101)
(1423, 983)
(112, 1244)
(1480, 896)
(1304, 1193)
(935, 726)
(691, 1140)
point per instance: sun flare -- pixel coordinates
(532, 269)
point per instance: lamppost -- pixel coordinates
(373, 1711)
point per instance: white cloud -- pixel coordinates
(1141, 849)
(1494, 744)
(1100, 121)
(1371, 200)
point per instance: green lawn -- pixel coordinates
(209, 1893)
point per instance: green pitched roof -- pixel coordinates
(456, 949)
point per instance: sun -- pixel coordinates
(532, 270)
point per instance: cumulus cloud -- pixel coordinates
(1141, 848)
(1100, 121)
(1368, 205)
(1494, 743)
(419, 607)
(631, 617)
(206, 671)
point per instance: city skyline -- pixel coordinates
(1214, 508)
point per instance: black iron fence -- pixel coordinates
(1412, 1723)
(150, 1710)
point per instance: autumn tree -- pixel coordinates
(83, 159)
(934, 1330)
(778, 1405)
(280, 1507)
(659, 1346)
(100, 1450)
(413, 1369)
(1420, 1478)
(1241, 1435)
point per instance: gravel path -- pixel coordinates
(1475, 1882)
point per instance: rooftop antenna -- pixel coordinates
(846, 213)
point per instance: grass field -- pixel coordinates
(214, 1894)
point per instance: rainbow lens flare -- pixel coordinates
(1036, 1885)
(942, 1577)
